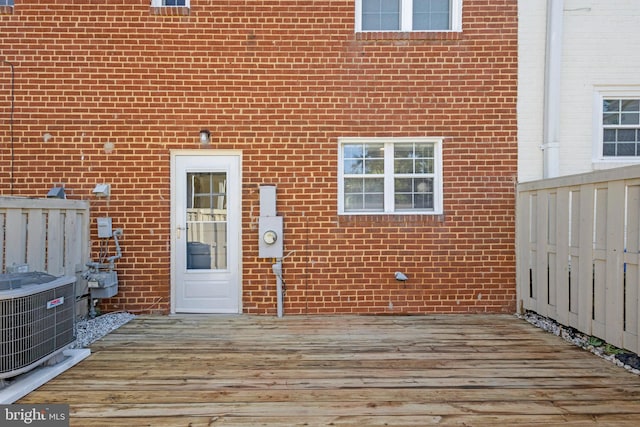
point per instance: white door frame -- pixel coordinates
(174, 226)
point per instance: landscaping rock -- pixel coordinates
(629, 361)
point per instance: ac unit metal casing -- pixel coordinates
(36, 323)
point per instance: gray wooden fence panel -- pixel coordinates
(49, 235)
(578, 250)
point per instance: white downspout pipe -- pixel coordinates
(553, 71)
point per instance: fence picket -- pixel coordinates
(2, 240)
(15, 235)
(573, 250)
(586, 265)
(631, 267)
(562, 255)
(614, 286)
(542, 221)
(598, 326)
(36, 235)
(55, 243)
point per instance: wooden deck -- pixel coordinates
(470, 370)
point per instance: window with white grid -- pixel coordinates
(621, 127)
(408, 15)
(395, 175)
(160, 3)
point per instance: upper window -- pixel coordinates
(6, 2)
(408, 15)
(621, 127)
(160, 3)
(390, 175)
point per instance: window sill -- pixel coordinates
(408, 35)
(614, 163)
(170, 11)
(390, 219)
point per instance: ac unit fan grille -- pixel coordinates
(30, 332)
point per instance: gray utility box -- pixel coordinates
(270, 248)
(103, 284)
(198, 256)
(270, 229)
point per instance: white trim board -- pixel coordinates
(28, 382)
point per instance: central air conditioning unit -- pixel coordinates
(37, 320)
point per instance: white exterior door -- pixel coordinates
(206, 232)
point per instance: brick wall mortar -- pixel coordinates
(282, 82)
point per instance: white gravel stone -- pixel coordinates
(91, 330)
(574, 337)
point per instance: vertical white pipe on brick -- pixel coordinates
(553, 70)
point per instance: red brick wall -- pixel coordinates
(280, 80)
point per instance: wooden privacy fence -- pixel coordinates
(50, 235)
(578, 252)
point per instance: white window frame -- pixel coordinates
(389, 208)
(600, 94)
(406, 18)
(158, 3)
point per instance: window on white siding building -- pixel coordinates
(408, 15)
(390, 176)
(160, 3)
(621, 127)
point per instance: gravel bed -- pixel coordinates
(90, 330)
(624, 359)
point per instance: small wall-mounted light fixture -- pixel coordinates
(47, 137)
(56, 193)
(205, 136)
(102, 190)
(400, 276)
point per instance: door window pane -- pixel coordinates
(206, 220)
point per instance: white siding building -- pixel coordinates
(579, 86)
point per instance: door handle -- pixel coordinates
(178, 230)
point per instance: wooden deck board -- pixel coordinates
(341, 370)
